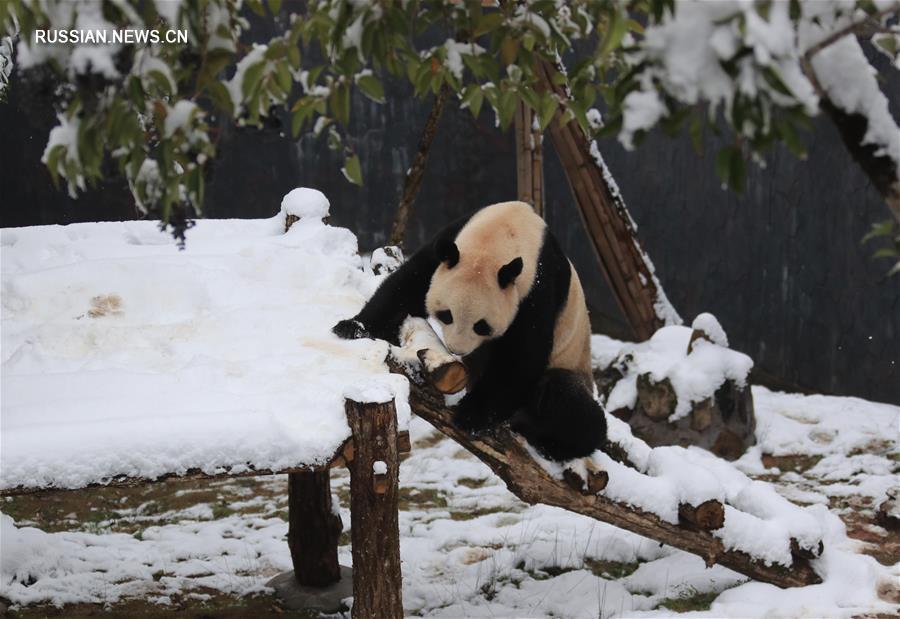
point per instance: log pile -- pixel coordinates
(507, 455)
(723, 423)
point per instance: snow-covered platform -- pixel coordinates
(125, 357)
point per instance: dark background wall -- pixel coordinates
(781, 266)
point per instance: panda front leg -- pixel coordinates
(400, 295)
(504, 385)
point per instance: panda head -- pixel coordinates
(473, 298)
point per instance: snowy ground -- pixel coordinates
(105, 325)
(469, 547)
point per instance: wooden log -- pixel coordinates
(504, 453)
(803, 552)
(888, 513)
(447, 374)
(657, 400)
(439, 367)
(313, 529)
(374, 528)
(609, 226)
(595, 482)
(529, 159)
(707, 516)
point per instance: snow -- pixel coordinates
(306, 203)
(380, 390)
(683, 56)
(641, 111)
(146, 63)
(851, 83)
(708, 323)
(379, 467)
(236, 84)
(6, 63)
(122, 355)
(473, 550)
(65, 134)
(179, 117)
(694, 376)
(454, 51)
(382, 262)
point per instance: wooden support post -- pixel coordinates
(374, 493)
(313, 529)
(529, 159)
(609, 226)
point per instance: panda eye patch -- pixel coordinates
(445, 317)
(482, 328)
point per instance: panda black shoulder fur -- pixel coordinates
(498, 289)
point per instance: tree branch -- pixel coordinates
(417, 171)
(505, 454)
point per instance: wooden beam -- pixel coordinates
(609, 226)
(374, 501)
(504, 453)
(248, 470)
(529, 159)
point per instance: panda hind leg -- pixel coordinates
(563, 421)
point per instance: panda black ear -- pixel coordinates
(509, 272)
(448, 252)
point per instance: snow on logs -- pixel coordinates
(683, 386)
(665, 494)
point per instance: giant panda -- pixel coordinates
(501, 294)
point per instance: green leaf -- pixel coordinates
(487, 23)
(885, 252)
(221, 97)
(723, 164)
(340, 104)
(616, 30)
(894, 270)
(294, 56)
(506, 108)
(352, 170)
(547, 110)
(473, 98)
(52, 161)
(296, 123)
(883, 228)
(371, 87)
(275, 6)
(252, 77)
(696, 131)
(257, 7)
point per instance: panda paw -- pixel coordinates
(350, 329)
(473, 416)
(473, 423)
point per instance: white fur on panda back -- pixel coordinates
(499, 233)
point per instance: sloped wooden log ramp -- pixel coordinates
(504, 452)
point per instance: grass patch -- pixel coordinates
(469, 482)
(610, 570)
(218, 606)
(421, 498)
(688, 603)
(797, 463)
(477, 513)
